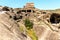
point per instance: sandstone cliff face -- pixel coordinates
(44, 32)
(9, 29)
(44, 28)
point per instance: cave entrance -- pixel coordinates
(23, 11)
(44, 12)
(18, 12)
(20, 17)
(28, 10)
(55, 18)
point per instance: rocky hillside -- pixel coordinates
(17, 24)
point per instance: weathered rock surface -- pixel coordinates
(46, 26)
(44, 32)
(9, 29)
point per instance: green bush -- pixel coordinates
(28, 24)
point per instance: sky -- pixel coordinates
(41, 4)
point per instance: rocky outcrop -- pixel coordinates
(45, 32)
(46, 24)
(9, 29)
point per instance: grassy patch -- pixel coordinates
(32, 34)
(30, 31)
(21, 28)
(28, 24)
